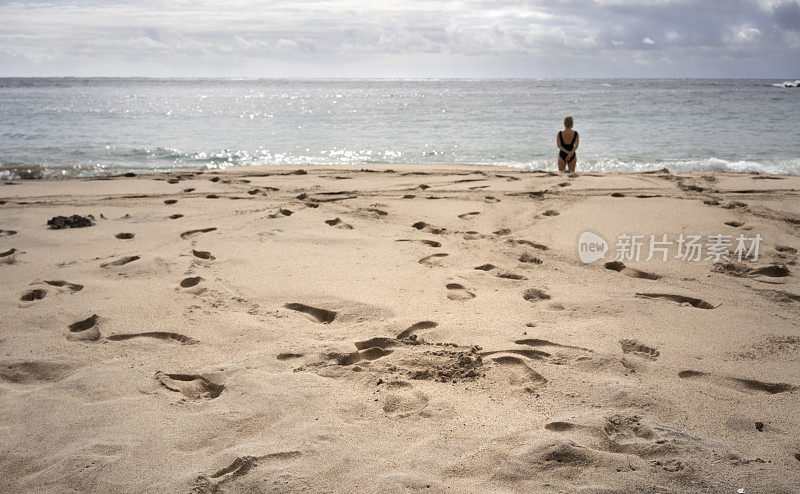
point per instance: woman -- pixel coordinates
(567, 142)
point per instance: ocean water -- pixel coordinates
(82, 127)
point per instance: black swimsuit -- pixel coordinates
(566, 146)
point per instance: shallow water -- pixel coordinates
(105, 126)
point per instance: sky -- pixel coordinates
(408, 39)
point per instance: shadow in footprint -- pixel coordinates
(536, 342)
(72, 287)
(190, 385)
(158, 335)
(120, 262)
(191, 282)
(430, 260)
(124, 236)
(694, 302)
(739, 384)
(633, 273)
(425, 227)
(192, 233)
(175, 216)
(469, 216)
(31, 295)
(430, 243)
(323, 316)
(337, 223)
(85, 330)
(485, 267)
(458, 292)
(203, 255)
(510, 276)
(534, 295)
(417, 326)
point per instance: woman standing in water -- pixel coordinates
(566, 152)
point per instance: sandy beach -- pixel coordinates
(396, 328)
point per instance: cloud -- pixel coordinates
(414, 37)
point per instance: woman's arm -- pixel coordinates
(575, 145)
(558, 143)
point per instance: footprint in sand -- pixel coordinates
(417, 326)
(377, 212)
(7, 233)
(739, 384)
(529, 258)
(773, 271)
(422, 226)
(510, 276)
(212, 196)
(175, 216)
(158, 335)
(735, 224)
(551, 212)
(192, 285)
(490, 199)
(33, 371)
(288, 356)
(528, 243)
(120, 262)
(469, 216)
(124, 236)
(694, 302)
(280, 214)
(429, 243)
(401, 400)
(170, 201)
(534, 295)
(9, 256)
(633, 273)
(485, 267)
(67, 286)
(202, 254)
(85, 330)
(431, 260)
(515, 371)
(458, 292)
(30, 296)
(192, 386)
(337, 223)
(192, 233)
(346, 359)
(639, 349)
(537, 342)
(316, 314)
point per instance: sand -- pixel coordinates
(389, 328)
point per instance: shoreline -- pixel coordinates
(394, 328)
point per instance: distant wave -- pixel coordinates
(787, 84)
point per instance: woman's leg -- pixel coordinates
(561, 165)
(572, 164)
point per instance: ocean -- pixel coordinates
(85, 127)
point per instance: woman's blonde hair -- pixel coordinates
(568, 121)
